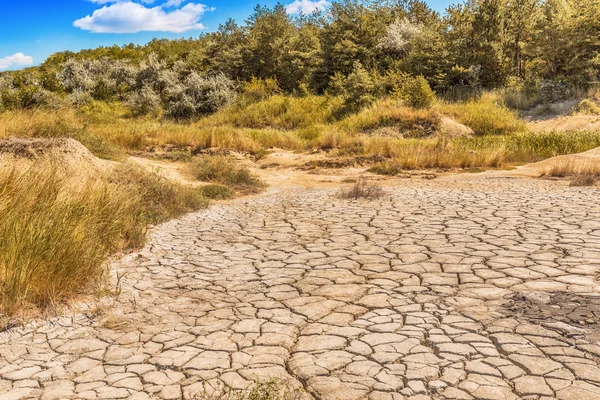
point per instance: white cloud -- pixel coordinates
(16, 59)
(306, 6)
(130, 17)
(173, 3)
(118, 1)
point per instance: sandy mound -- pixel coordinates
(566, 123)
(586, 161)
(68, 155)
(451, 128)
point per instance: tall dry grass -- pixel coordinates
(490, 151)
(64, 123)
(407, 121)
(55, 236)
(486, 115)
(309, 123)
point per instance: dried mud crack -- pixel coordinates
(444, 289)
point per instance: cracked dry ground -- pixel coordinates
(397, 298)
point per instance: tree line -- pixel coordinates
(542, 46)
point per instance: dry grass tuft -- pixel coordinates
(362, 189)
(272, 389)
(579, 174)
(56, 235)
(565, 168)
(217, 192)
(584, 180)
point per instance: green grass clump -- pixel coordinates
(217, 192)
(386, 168)
(56, 235)
(224, 170)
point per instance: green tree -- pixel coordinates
(520, 17)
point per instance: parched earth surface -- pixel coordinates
(426, 293)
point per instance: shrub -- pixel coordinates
(182, 108)
(359, 89)
(416, 93)
(145, 101)
(362, 189)
(555, 90)
(79, 98)
(587, 107)
(42, 98)
(260, 89)
(399, 36)
(201, 95)
(223, 170)
(76, 75)
(154, 73)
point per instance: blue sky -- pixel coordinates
(31, 30)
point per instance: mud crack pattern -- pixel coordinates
(398, 298)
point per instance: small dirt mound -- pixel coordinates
(67, 154)
(451, 128)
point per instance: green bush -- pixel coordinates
(359, 89)
(200, 95)
(260, 89)
(416, 93)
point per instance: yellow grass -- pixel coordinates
(485, 115)
(55, 237)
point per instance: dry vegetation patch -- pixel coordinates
(56, 232)
(362, 189)
(579, 172)
(224, 170)
(272, 389)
